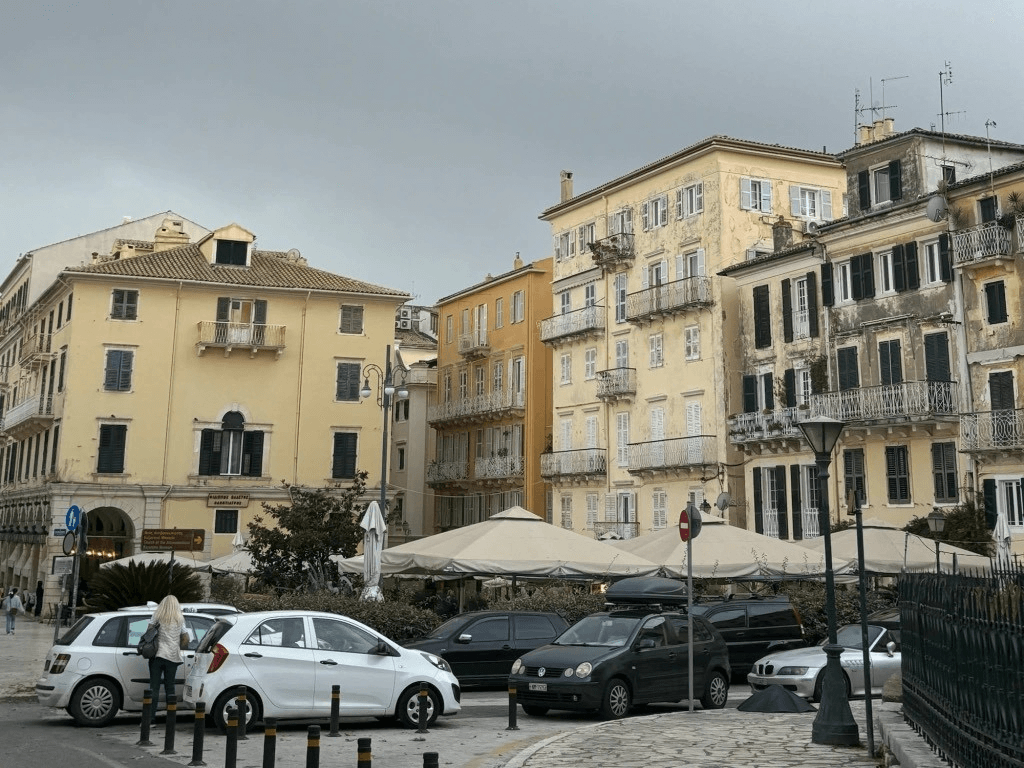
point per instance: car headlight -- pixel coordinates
(437, 661)
(793, 671)
(517, 666)
(583, 670)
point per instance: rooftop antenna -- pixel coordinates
(871, 107)
(988, 142)
(884, 79)
(945, 78)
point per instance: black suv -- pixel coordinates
(754, 627)
(631, 654)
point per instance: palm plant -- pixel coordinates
(135, 584)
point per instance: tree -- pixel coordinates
(117, 586)
(965, 528)
(294, 551)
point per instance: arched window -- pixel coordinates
(231, 450)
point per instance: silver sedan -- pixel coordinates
(800, 670)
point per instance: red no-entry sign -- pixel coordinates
(689, 524)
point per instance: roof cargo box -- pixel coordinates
(647, 589)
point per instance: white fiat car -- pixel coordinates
(289, 660)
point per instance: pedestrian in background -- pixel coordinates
(172, 638)
(11, 606)
(39, 598)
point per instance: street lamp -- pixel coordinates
(385, 386)
(834, 723)
(937, 524)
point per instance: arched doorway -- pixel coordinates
(111, 534)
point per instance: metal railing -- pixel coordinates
(758, 425)
(490, 404)
(981, 242)
(962, 647)
(581, 462)
(810, 522)
(992, 430)
(887, 401)
(214, 334)
(575, 323)
(474, 342)
(622, 530)
(34, 407)
(35, 347)
(668, 297)
(447, 471)
(770, 523)
(670, 454)
(616, 382)
(611, 250)
(496, 467)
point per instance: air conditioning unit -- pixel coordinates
(405, 324)
(811, 227)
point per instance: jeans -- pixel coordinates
(10, 623)
(161, 669)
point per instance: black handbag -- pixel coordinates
(148, 642)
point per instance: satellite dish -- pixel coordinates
(722, 502)
(812, 227)
(294, 254)
(937, 208)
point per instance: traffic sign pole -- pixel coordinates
(689, 529)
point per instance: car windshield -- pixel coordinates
(607, 630)
(850, 636)
(72, 634)
(445, 629)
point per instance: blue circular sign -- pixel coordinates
(73, 516)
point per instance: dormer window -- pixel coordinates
(233, 252)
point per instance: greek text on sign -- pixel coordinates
(228, 500)
(173, 539)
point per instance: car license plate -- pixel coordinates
(538, 686)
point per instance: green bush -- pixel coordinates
(117, 586)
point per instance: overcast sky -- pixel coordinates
(413, 143)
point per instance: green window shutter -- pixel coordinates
(223, 309)
(789, 378)
(945, 259)
(787, 310)
(895, 180)
(812, 305)
(758, 502)
(749, 394)
(259, 314)
(252, 453)
(795, 502)
(988, 488)
(911, 267)
(783, 507)
(762, 317)
(343, 465)
(111, 448)
(864, 191)
(828, 297)
(209, 458)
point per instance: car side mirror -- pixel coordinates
(647, 642)
(463, 638)
(890, 647)
(383, 649)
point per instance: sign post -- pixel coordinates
(171, 539)
(689, 529)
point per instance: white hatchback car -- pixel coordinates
(289, 661)
(94, 670)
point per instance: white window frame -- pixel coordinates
(691, 342)
(566, 366)
(690, 200)
(565, 245)
(886, 276)
(932, 264)
(448, 329)
(518, 306)
(499, 312)
(497, 375)
(879, 177)
(621, 222)
(591, 427)
(592, 506)
(620, 297)
(756, 195)
(1010, 500)
(585, 235)
(810, 203)
(622, 353)
(567, 511)
(659, 509)
(801, 309)
(564, 303)
(565, 433)
(655, 344)
(622, 438)
(654, 212)
(590, 295)
(590, 363)
(802, 377)
(843, 283)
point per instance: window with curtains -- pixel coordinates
(897, 472)
(231, 450)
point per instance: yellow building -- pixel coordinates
(493, 406)
(645, 334)
(172, 383)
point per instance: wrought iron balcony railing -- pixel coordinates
(615, 383)
(622, 530)
(439, 472)
(613, 250)
(498, 467)
(28, 416)
(474, 343)
(577, 463)
(981, 242)
(810, 520)
(228, 336)
(492, 405)
(671, 297)
(992, 430)
(36, 349)
(579, 322)
(908, 399)
(776, 424)
(675, 453)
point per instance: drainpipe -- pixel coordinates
(966, 394)
(298, 391)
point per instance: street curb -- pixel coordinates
(518, 760)
(909, 747)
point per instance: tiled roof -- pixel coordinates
(413, 337)
(269, 269)
(780, 255)
(956, 137)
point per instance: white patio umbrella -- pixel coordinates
(143, 558)
(239, 561)
(1004, 554)
(373, 542)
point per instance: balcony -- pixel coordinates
(499, 467)
(474, 344)
(673, 454)
(35, 350)
(609, 252)
(981, 243)
(468, 410)
(617, 530)
(992, 431)
(906, 401)
(669, 298)
(581, 464)
(579, 323)
(246, 336)
(29, 417)
(616, 384)
(442, 472)
(778, 424)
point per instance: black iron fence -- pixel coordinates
(963, 664)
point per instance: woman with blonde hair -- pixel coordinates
(172, 637)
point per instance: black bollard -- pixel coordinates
(422, 719)
(147, 715)
(364, 756)
(243, 712)
(172, 717)
(430, 760)
(512, 709)
(313, 747)
(335, 709)
(198, 734)
(269, 741)
(231, 743)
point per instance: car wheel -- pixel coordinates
(615, 702)
(95, 703)
(716, 692)
(228, 699)
(409, 707)
(820, 681)
(535, 710)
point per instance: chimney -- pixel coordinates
(864, 134)
(518, 262)
(171, 234)
(889, 126)
(782, 234)
(566, 186)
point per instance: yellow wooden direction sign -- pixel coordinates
(173, 539)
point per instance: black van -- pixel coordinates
(753, 627)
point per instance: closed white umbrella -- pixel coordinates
(373, 542)
(1004, 555)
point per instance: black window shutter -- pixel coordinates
(344, 463)
(995, 296)
(749, 394)
(348, 381)
(945, 259)
(789, 378)
(827, 295)
(207, 464)
(124, 374)
(856, 279)
(111, 448)
(762, 317)
(794, 495)
(812, 305)
(988, 489)
(867, 268)
(936, 356)
(783, 510)
(252, 453)
(259, 315)
(769, 391)
(112, 370)
(223, 309)
(1000, 391)
(895, 180)
(864, 190)
(758, 502)
(913, 271)
(899, 269)
(787, 310)
(849, 377)
(944, 471)
(890, 362)
(853, 470)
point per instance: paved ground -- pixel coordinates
(672, 738)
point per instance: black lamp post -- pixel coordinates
(936, 524)
(385, 385)
(834, 723)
